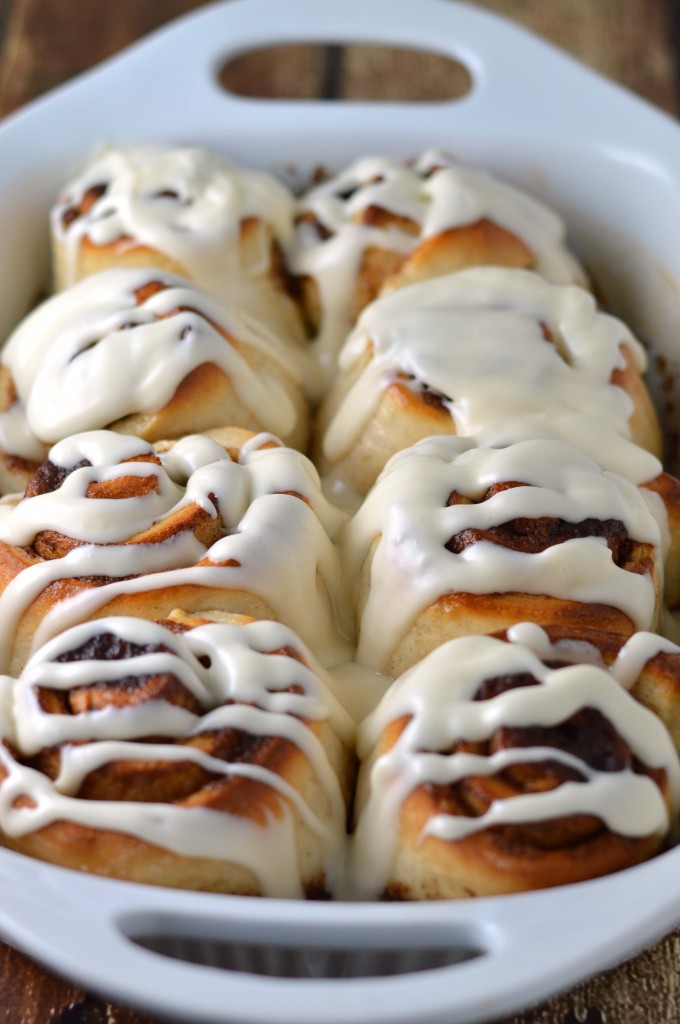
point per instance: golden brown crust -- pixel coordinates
(495, 862)
(645, 428)
(454, 615)
(667, 488)
(404, 415)
(273, 294)
(483, 243)
(512, 858)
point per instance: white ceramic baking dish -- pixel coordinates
(611, 164)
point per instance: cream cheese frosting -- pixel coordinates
(186, 202)
(478, 338)
(435, 194)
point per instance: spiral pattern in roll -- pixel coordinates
(186, 753)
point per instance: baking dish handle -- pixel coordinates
(231, 960)
(510, 68)
(562, 102)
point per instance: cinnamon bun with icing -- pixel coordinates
(458, 539)
(646, 664)
(186, 210)
(146, 353)
(479, 350)
(206, 756)
(486, 770)
(110, 526)
(380, 224)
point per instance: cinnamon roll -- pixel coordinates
(487, 770)
(109, 526)
(458, 539)
(645, 664)
(141, 352)
(480, 350)
(215, 758)
(185, 210)
(380, 225)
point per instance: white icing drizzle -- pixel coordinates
(437, 696)
(476, 337)
(570, 649)
(407, 513)
(436, 194)
(639, 649)
(91, 355)
(279, 545)
(243, 688)
(633, 656)
(187, 203)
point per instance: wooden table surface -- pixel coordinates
(637, 42)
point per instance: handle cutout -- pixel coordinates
(195, 941)
(351, 73)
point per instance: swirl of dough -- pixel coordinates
(143, 352)
(646, 664)
(186, 753)
(109, 525)
(456, 538)
(486, 770)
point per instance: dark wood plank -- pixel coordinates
(31, 995)
(358, 72)
(49, 41)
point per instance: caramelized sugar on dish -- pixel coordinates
(111, 526)
(188, 753)
(483, 551)
(487, 769)
(143, 352)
